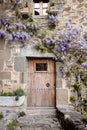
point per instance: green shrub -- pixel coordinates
(78, 109)
(77, 85)
(43, 33)
(19, 92)
(85, 108)
(52, 3)
(68, 73)
(13, 124)
(7, 94)
(81, 60)
(72, 98)
(21, 114)
(26, 4)
(1, 115)
(31, 18)
(16, 98)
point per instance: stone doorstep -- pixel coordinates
(41, 111)
(27, 128)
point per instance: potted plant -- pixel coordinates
(15, 98)
(25, 11)
(52, 5)
(25, 8)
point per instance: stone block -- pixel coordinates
(23, 77)
(5, 75)
(58, 83)
(30, 51)
(2, 44)
(61, 96)
(20, 64)
(58, 72)
(5, 54)
(1, 65)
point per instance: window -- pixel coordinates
(41, 66)
(40, 7)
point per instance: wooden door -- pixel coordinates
(41, 89)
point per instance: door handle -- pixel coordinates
(47, 84)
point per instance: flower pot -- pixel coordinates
(26, 9)
(9, 101)
(52, 8)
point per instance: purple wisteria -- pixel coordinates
(84, 64)
(85, 36)
(2, 33)
(10, 37)
(17, 25)
(4, 21)
(64, 45)
(49, 41)
(53, 19)
(15, 36)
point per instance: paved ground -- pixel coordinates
(40, 123)
(29, 121)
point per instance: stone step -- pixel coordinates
(40, 111)
(40, 128)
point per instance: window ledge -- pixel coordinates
(40, 16)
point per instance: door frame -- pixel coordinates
(44, 58)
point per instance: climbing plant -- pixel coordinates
(69, 45)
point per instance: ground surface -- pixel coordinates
(30, 121)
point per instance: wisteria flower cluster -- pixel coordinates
(52, 20)
(2, 33)
(64, 45)
(15, 36)
(47, 44)
(13, 32)
(49, 41)
(17, 31)
(84, 64)
(85, 36)
(4, 21)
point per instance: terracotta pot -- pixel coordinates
(25, 9)
(52, 7)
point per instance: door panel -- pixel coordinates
(41, 89)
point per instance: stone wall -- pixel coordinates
(70, 119)
(13, 57)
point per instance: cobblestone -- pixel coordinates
(29, 121)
